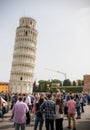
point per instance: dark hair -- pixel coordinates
(49, 96)
(20, 98)
(58, 102)
(77, 96)
(72, 97)
(40, 101)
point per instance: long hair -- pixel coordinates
(58, 102)
(41, 100)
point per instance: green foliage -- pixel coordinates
(67, 89)
(41, 81)
(56, 81)
(80, 82)
(74, 83)
(67, 82)
(46, 86)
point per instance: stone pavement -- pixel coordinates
(82, 124)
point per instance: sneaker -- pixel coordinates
(77, 117)
(69, 127)
(74, 128)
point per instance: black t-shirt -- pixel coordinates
(38, 111)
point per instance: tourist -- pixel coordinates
(58, 115)
(28, 100)
(58, 93)
(49, 107)
(71, 104)
(82, 101)
(39, 115)
(77, 99)
(19, 114)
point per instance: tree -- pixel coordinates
(57, 82)
(74, 83)
(82, 82)
(66, 82)
(79, 82)
(34, 85)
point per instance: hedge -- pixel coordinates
(73, 89)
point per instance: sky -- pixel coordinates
(63, 41)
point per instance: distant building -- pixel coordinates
(3, 87)
(87, 83)
(24, 55)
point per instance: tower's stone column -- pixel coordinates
(24, 55)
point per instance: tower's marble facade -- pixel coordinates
(24, 55)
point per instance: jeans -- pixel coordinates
(49, 124)
(82, 107)
(17, 126)
(78, 111)
(38, 120)
(1, 114)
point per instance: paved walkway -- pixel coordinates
(82, 124)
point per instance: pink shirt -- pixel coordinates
(71, 104)
(19, 110)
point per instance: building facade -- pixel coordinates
(87, 83)
(3, 86)
(24, 55)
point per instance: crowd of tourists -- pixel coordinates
(50, 108)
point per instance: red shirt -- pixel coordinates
(71, 104)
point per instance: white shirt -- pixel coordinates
(28, 100)
(58, 115)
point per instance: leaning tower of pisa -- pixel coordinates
(24, 55)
